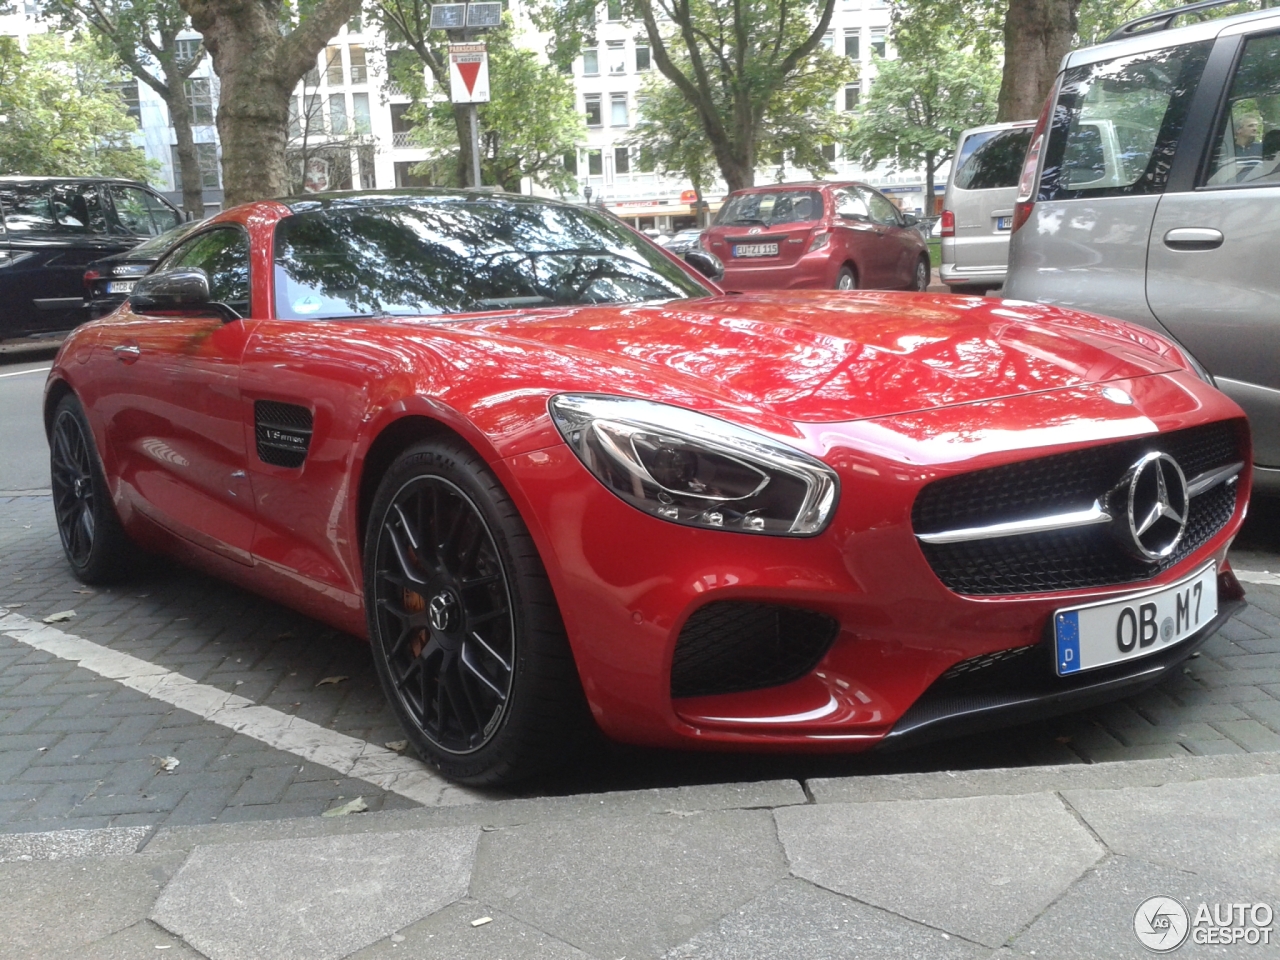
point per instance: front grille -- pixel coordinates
(731, 646)
(1067, 559)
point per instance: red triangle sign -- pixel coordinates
(469, 72)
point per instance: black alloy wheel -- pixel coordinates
(95, 544)
(467, 639)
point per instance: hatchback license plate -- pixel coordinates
(756, 250)
(1101, 634)
(1004, 223)
(120, 286)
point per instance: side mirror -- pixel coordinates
(910, 219)
(185, 289)
(706, 263)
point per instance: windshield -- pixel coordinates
(770, 208)
(157, 247)
(443, 255)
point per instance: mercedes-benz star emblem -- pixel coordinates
(440, 610)
(1155, 491)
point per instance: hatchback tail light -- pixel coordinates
(948, 223)
(819, 240)
(1029, 181)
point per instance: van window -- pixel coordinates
(1247, 147)
(1116, 124)
(994, 161)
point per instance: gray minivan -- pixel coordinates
(977, 211)
(1151, 192)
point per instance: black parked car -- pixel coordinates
(52, 229)
(109, 281)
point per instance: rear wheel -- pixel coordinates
(95, 544)
(847, 279)
(466, 634)
(920, 278)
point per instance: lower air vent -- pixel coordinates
(283, 432)
(730, 647)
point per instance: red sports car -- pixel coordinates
(557, 477)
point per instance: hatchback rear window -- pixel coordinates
(771, 208)
(1116, 123)
(994, 161)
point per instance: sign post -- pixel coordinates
(469, 84)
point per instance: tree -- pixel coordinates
(526, 130)
(260, 53)
(917, 108)
(729, 60)
(59, 114)
(144, 34)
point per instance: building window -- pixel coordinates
(590, 63)
(829, 152)
(311, 78)
(592, 100)
(295, 125)
(207, 158)
(405, 178)
(614, 9)
(312, 116)
(571, 163)
(617, 56)
(359, 71)
(618, 110)
(595, 163)
(360, 117)
(128, 90)
(829, 40)
(877, 41)
(187, 49)
(338, 113)
(355, 25)
(852, 94)
(852, 43)
(200, 98)
(621, 160)
(403, 67)
(642, 57)
(333, 66)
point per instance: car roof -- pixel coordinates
(18, 178)
(1160, 39)
(336, 200)
(799, 185)
(996, 127)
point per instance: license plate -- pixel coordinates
(1004, 223)
(120, 286)
(1104, 633)
(756, 250)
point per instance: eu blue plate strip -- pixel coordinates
(1068, 636)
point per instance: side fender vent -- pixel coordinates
(283, 432)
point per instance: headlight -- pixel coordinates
(693, 469)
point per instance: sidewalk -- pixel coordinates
(1047, 862)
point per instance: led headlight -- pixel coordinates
(693, 469)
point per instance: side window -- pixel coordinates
(850, 204)
(882, 211)
(223, 255)
(76, 208)
(134, 212)
(162, 215)
(1116, 124)
(28, 208)
(1247, 147)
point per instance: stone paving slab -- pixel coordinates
(142, 939)
(452, 934)
(982, 867)
(1228, 829)
(315, 899)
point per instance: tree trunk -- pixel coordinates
(929, 170)
(1037, 34)
(189, 171)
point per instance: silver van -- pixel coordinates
(977, 211)
(1151, 192)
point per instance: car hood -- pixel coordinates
(815, 357)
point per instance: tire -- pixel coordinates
(847, 278)
(466, 634)
(93, 540)
(970, 289)
(920, 278)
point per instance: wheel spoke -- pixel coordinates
(406, 567)
(480, 675)
(490, 651)
(470, 716)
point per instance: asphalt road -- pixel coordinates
(93, 710)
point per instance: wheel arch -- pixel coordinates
(53, 394)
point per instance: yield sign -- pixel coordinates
(468, 73)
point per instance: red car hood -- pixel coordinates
(813, 356)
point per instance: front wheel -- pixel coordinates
(920, 279)
(846, 279)
(466, 634)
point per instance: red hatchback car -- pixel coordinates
(557, 478)
(817, 236)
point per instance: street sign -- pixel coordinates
(484, 14)
(448, 16)
(468, 73)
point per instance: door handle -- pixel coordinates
(1193, 238)
(127, 352)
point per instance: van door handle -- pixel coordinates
(1193, 238)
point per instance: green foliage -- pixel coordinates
(917, 109)
(59, 115)
(525, 130)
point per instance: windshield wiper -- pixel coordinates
(746, 220)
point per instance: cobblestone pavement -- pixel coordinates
(77, 750)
